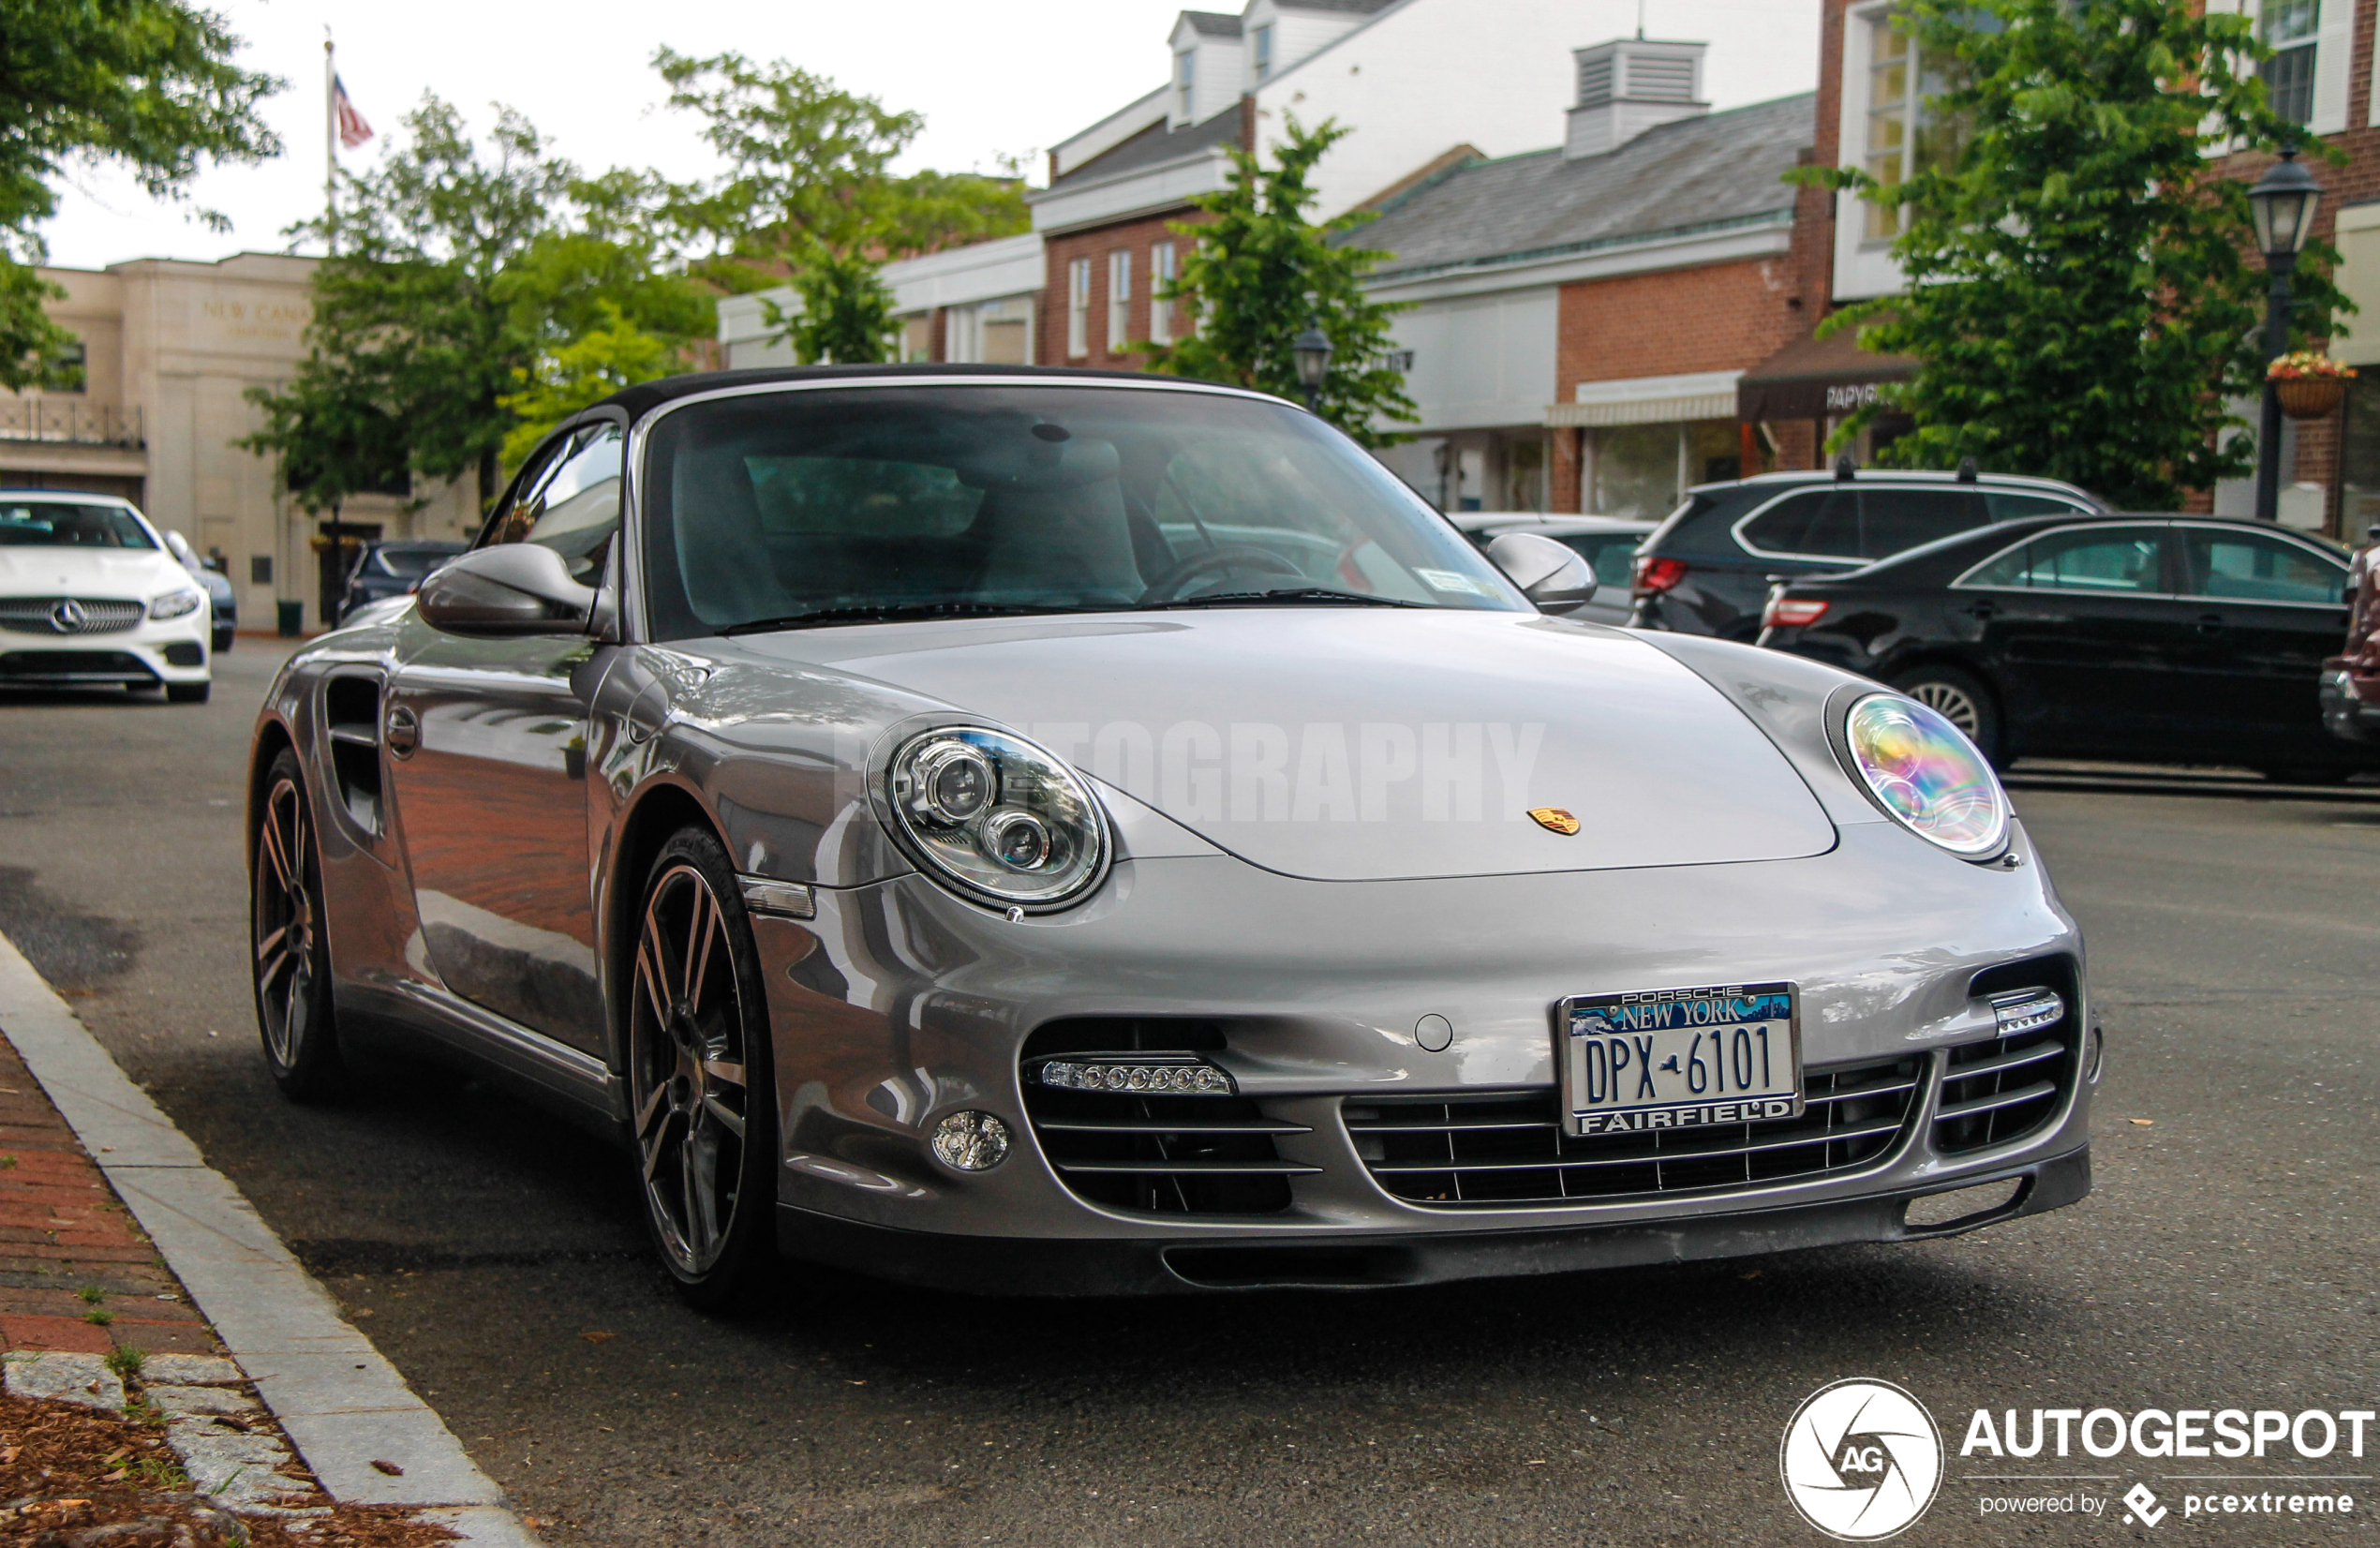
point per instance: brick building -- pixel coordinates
(1583, 314)
(1382, 68)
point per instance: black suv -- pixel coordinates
(1706, 570)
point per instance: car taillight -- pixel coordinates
(1657, 574)
(1792, 613)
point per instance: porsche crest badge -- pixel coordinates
(1553, 820)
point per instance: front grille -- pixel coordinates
(96, 615)
(74, 666)
(1174, 1156)
(1508, 1148)
(2004, 1088)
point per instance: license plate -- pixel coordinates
(1680, 1058)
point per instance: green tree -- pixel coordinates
(147, 85)
(846, 314)
(459, 284)
(2082, 293)
(1260, 272)
(808, 191)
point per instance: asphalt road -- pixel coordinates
(2227, 1260)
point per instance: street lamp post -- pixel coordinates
(2283, 201)
(1311, 351)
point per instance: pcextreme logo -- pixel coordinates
(1861, 1459)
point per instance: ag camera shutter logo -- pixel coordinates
(1861, 1459)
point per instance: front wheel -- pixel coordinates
(187, 692)
(288, 946)
(1960, 698)
(700, 1078)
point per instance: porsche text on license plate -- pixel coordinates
(1680, 1058)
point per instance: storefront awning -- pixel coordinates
(1649, 400)
(1815, 378)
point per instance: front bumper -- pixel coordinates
(898, 1006)
(1028, 1266)
(152, 651)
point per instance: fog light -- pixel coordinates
(1184, 1076)
(970, 1141)
(2027, 1010)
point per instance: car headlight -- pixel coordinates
(997, 817)
(1925, 775)
(173, 604)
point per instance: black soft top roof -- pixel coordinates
(645, 398)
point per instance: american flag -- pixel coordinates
(353, 132)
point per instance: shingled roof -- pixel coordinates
(1720, 170)
(1211, 23)
(1153, 146)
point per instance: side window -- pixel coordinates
(568, 501)
(1823, 522)
(578, 506)
(2009, 507)
(1895, 520)
(511, 523)
(2250, 567)
(2094, 558)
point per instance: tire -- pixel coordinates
(221, 641)
(289, 943)
(1962, 699)
(701, 1081)
(187, 692)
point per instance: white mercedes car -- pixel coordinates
(90, 595)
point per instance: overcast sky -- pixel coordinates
(990, 79)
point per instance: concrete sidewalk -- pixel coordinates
(101, 1194)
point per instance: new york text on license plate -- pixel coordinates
(1680, 1058)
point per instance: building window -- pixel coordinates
(1263, 53)
(2288, 28)
(1643, 471)
(1185, 80)
(1161, 276)
(1078, 308)
(1904, 136)
(1119, 300)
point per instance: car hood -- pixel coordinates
(1339, 745)
(133, 573)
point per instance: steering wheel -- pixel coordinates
(1214, 564)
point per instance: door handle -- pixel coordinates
(402, 730)
(2210, 623)
(1982, 608)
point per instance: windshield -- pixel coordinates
(847, 505)
(45, 525)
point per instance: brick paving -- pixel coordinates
(76, 1274)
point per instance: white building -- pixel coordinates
(968, 304)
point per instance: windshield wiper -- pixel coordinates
(1281, 594)
(895, 613)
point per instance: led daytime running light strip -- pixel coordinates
(1176, 1079)
(2027, 1010)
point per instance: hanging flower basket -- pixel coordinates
(2309, 385)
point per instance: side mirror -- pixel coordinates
(507, 591)
(1549, 574)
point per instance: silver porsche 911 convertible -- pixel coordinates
(1044, 831)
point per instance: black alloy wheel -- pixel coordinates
(1960, 698)
(289, 947)
(701, 1090)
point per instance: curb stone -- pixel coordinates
(335, 1395)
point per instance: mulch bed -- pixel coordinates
(72, 1477)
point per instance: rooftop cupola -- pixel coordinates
(1629, 85)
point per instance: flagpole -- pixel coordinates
(330, 143)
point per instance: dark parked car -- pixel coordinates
(2177, 639)
(392, 568)
(223, 602)
(1706, 570)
